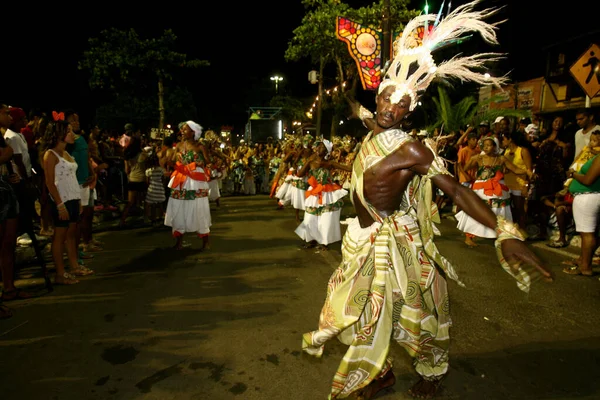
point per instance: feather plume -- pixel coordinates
(413, 68)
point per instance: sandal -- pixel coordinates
(557, 244)
(5, 312)
(67, 279)
(82, 271)
(575, 270)
(90, 248)
(15, 294)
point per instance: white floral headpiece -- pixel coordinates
(413, 68)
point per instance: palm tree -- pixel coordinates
(468, 111)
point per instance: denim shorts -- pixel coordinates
(72, 207)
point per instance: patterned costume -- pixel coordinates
(389, 283)
(188, 209)
(489, 186)
(323, 205)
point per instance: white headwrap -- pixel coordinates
(328, 145)
(196, 128)
(494, 139)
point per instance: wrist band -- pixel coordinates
(509, 230)
(363, 113)
(61, 205)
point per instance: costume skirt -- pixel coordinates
(297, 191)
(322, 217)
(188, 209)
(500, 205)
(214, 192)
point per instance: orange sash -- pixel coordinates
(182, 172)
(317, 189)
(492, 186)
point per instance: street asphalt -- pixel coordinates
(226, 323)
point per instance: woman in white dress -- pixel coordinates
(188, 208)
(490, 187)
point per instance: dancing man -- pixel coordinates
(391, 283)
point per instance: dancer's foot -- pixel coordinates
(376, 386)
(322, 247)
(470, 242)
(425, 389)
(178, 244)
(309, 245)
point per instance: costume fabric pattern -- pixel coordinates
(387, 284)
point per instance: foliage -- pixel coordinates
(469, 110)
(125, 65)
(141, 110)
(291, 109)
(120, 58)
(316, 40)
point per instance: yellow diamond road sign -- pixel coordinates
(586, 71)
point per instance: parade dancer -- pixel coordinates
(324, 200)
(299, 184)
(280, 187)
(490, 187)
(188, 209)
(217, 167)
(391, 283)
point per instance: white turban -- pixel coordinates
(328, 145)
(196, 128)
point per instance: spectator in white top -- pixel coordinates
(15, 139)
(585, 120)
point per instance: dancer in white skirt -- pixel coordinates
(489, 186)
(298, 183)
(281, 181)
(188, 209)
(324, 200)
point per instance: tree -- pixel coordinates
(121, 61)
(316, 39)
(291, 109)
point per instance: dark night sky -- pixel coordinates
(245, 45)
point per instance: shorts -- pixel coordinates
(586, 207)
(9, 204)
(73, 210)
(137, 186)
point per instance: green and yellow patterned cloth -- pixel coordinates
(387, 285)
(390, 283)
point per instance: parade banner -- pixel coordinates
(365, 47)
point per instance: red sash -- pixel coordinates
(318, 189)
(182, 172)
(492, 186)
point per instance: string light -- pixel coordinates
(327, 92)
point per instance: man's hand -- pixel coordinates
(14, 178)
(88, 181)
(516, 253)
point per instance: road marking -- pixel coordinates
(554, 250)
(16, 327)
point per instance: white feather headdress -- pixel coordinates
(413, 68)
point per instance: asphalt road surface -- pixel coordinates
(155, 323)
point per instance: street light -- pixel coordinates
(276, 79)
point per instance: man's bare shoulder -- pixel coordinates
(411, 153)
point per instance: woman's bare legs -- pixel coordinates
(58, 247)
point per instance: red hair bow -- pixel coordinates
(58, 116)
